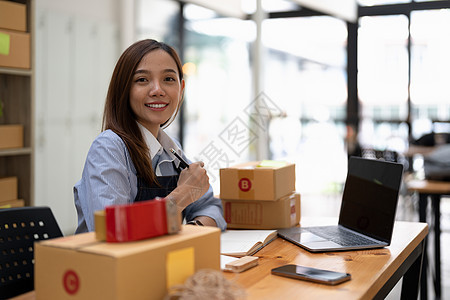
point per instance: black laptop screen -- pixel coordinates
(370, 197)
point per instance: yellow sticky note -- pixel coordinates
(180, 265)
(4, 43)
(272, 163)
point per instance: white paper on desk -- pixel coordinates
(224, 260)
(241, 241)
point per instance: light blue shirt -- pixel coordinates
(109, 178)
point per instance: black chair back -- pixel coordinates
(19, 229)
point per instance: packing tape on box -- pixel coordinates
(245, 183)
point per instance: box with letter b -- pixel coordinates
(260, 195)
(264, 180)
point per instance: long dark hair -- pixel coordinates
(118, 115)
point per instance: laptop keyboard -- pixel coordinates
(341, 236)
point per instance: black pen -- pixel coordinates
(183, 163)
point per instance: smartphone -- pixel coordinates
(311, 274)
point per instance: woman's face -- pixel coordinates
(156, 90)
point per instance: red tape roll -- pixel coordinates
(136, 221)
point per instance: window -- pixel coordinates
(430, 70)
(158, 20)
(383, 81)
(218, 89)
(305, 75)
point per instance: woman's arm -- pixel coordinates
(207, 210)
(106, 179)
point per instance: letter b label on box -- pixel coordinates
(245, 184)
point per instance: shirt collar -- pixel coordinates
(153, 144)
(157, 145)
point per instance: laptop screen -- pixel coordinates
(369, 201)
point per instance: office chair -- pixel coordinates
(19, 229)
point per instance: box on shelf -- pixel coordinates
(263, 180)
(81, 267)
(8, 189)
(11, 136)
(254, 214)
(12, 203)
(13, 16)
(14, 49)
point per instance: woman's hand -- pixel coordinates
(196, 179)
(192, 184)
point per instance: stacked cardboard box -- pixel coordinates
(260, 195)
(14, 40)
(8, 193)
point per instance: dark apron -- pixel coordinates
(167, 185)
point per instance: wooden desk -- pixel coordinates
(434, 190)
(374, 272)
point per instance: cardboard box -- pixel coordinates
(81, 267)
(8, 189)
(253, 214)
(11, 136)
(12, 203)
(14, 49)
(257, 181)
(13, 16)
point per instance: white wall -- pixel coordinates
(76, 46)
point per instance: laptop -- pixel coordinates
(367, 215)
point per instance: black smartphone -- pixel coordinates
(311, 274)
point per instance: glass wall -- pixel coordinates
(218, 79)
(218, 89)
(304, 78)
(383, 82)
(305, 75)
(430, 71)
(159, 20)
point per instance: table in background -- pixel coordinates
(374, 272)
(433, 190)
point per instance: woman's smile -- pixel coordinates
(157, 106)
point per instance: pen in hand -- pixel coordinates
(183, 163)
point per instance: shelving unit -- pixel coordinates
(17, 96)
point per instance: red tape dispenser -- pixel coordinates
(141, 220)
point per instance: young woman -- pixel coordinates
(131, 160)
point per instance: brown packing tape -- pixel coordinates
(245, 182)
